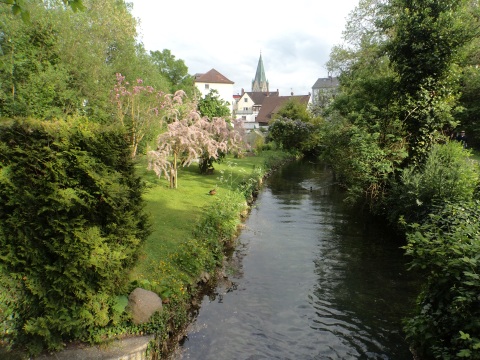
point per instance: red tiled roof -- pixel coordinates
(212, 77)
(272, 104)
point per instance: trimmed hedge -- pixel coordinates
(71, 224)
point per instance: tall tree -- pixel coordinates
(63, 63)
(18, 7)
(174, 70)
(427, 38)
(213, 106)
(364, 136)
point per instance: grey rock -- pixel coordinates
(142, 304)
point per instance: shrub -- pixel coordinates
(291, 135)
(72, 221)
(448, 175)
(220, 222)
(359, 160)
(446, 248)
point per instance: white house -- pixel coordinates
(248, 106)
(213, 80)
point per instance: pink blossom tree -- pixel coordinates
(193, 138)
(141, 109)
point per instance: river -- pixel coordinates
(309, 279)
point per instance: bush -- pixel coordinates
(448, 175)
(72, 222)
(291, 135)
(359, 160)
(447, 249)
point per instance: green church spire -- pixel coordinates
(260, 83)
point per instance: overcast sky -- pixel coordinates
(295, 37)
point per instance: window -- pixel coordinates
(246, 100)
(207, 86)
(244, 117)
(245, 109)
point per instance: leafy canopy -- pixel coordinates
(213, 106)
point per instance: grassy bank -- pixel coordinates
(191, 230)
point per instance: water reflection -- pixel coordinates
(308, 281)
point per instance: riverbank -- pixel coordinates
(191, 232)
(191, 229)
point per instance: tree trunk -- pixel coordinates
(173, 173)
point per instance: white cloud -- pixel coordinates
(295, 37)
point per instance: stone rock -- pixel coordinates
(142, 304)
(204, 277)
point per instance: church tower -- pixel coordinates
(260, 83)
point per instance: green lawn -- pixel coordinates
(174, 212)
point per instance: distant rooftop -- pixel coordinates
(213, 77)
(324, 83)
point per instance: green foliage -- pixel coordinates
(294, 110)
(446, 249)
(10, 294)
(221, 219)
(448, 175)
(424, 50)
(359, 162)
(469, 117)
(291, 135)
(213, 106)
(18, 7)
(46, 71)
(72, 221)
(174, 70)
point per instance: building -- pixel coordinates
(324, 90)
(248, 106)
(260, 83)
(271, 105)
(213, 80)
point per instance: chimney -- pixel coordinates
(243, 91)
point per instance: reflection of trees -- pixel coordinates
(363, 284)
(298, 179)
(363, 289)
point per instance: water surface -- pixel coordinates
(309, 280)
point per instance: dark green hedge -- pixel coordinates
(71, 224)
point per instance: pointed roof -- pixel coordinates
(212, 77)
(260, 82)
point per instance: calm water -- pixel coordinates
(310, 280)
